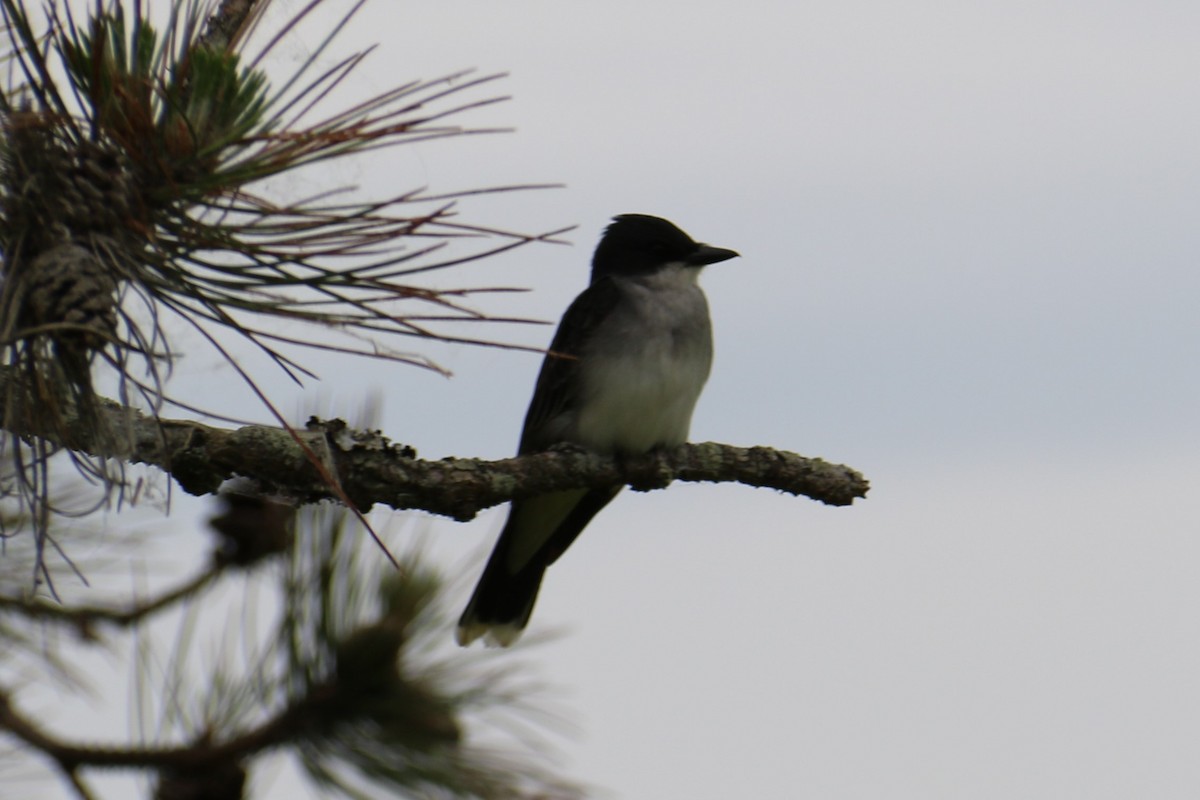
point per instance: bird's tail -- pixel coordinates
(500, 608)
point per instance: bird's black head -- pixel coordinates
(638, 244)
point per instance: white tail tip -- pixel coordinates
(493, 635)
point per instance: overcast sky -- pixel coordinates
(970, 248)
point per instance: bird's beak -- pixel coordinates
(707, 254)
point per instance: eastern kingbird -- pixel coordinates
(621, 377)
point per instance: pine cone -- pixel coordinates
(69, 284)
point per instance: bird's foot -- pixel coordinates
(647, 471)
(568, 448)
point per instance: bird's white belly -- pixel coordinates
(641, 398)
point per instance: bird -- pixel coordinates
(621, 377)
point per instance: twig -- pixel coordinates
(285, 726)
(85, 616)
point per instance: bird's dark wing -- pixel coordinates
(558, 385)
(540, 528)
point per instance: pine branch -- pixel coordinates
(281, 728)
(134, 204)
(370, 469)
(85, 617)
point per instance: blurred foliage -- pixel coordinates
(318, 649)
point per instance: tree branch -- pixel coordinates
(286, 725)
(370, 469)
(85, 617)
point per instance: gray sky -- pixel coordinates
(969, 270)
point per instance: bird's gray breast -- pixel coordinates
(643, 371)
